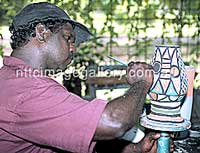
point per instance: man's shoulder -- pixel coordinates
(42, 82)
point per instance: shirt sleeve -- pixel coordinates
(50, 115)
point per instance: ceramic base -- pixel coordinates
(162, 126)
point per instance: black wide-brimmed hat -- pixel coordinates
(42, 11)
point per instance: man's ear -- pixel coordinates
(42, 34)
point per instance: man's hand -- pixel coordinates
(149, 143)
(139, 71)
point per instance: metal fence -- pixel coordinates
(154, 22)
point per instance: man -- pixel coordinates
(39, 115)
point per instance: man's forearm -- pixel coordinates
(131, 104)
(123, 112)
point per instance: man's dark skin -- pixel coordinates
(54, 51)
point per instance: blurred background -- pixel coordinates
(125, 29)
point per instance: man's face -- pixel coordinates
(61, 47)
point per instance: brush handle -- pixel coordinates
(117, 60)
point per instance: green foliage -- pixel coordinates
(9, 8)
(135, 16)
(1, 50)
(1, 46)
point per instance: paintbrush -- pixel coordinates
(117, 60)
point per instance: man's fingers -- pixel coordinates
(171, 145)
(154, 148)
(154, 136)
(172, 148)
(172, 135)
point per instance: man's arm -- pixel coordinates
(122, 113)
(147, 144)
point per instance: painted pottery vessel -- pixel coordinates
(169, 86)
